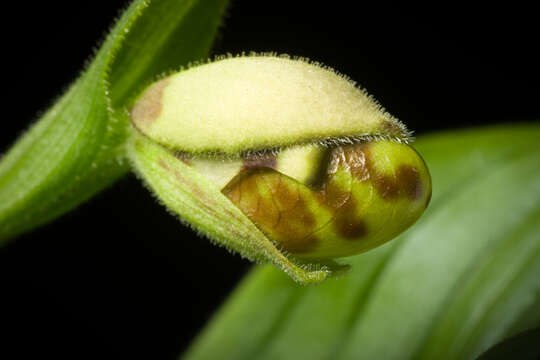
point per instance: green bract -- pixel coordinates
(281, 160)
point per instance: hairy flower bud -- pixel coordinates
(281, 160)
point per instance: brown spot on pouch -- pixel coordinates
(406, 181)
(347, 223)
(148, 107)
(285, 197)
(386, 186)
(409, 179)
(343, 206)
(319, 176)
(284, 216)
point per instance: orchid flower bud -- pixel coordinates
(279, 159)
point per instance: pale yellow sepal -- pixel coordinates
(258, 102)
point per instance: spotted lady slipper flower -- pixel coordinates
(281, 160)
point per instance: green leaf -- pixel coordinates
(76, 149)
(464, 278)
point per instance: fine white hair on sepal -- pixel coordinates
(274, 151)
(275, 54)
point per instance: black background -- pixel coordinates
(119, 277)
